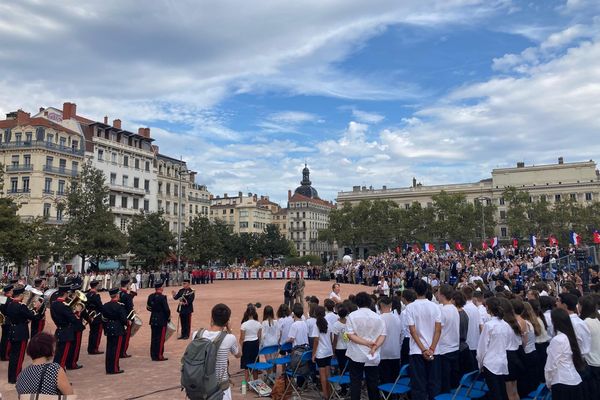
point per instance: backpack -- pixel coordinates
(282, 390)
(302, 368)
(198, 375)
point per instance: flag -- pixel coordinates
(553, 241)
(574, 238)
(596, 237)
(416, 248)
(515, 243)
(484, 245)
(448, 246)
(494, 242)
(458, 246)
(533, 240)
(428, 247)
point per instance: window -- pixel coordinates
(557, 198)
(243, 224)
(573, 196)
(75, 166)
(25, 184)
(407, 206)
(136, 163)
(62, 165)
(136, 182)
(543, 198)
(126, 161)
(176, 190)
(125, 180)
(62, 142)
(50, 138)
(168, 188)
(147, 166)
(136, 204)
(231, 211)
(61, 187)
(224, 212)
(487, 202)
(18, 138)
(588, 197)
(14, 185)
(113, 178)
(503, 232)
(74, 145)
(100, 155)
(503, 214)
(191, 208)
(46, 210)
(49, 161)
(113, 158)
(28, 137)
(146, 205)
(160, 207)
(123, 224)
(501, 201)
(27, 159)
(147, 185)
(15, 161)
(303, 214)
(168, 207)
(47, 185)
(59, 213)
(124, 202)
(175, 210)
(112, 200)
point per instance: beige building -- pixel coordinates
(245, 214)
(579, 181)
(178, 192)
(40, 157)
(307, 213)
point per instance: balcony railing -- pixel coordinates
(41, 144)
(17, 191)
(128, 189)
(60, 170)
(19, 168)
(198, 199)
(48, 191)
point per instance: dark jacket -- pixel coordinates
(19, 316)
(94, 303)
(186, 304)
(65, 321)
(127, 300)
(160, 312)
(115, 318)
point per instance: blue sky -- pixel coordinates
(367, 93)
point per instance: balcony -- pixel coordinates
(121, 210)
(19, 168)
(19, 191)
(198, 200)
(60, 171)
(43, 145)
(48, 191)
(127, 189)
(296, 229)
(56, 221)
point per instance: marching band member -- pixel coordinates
(65, 321)
(160, 315)
(19, 315)
(39, 321)
(127, 300)
(94, 308)
(115, 321)
(8, 291)
(185, 308)
(78, 327)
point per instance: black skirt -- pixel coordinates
(567, 392)
(515, 364)
(249, 353)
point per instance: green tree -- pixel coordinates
(272, 243)
(517, 214)
(150, 238)
(91, 229)
(200, 242)
(455, 218)
(13, 241)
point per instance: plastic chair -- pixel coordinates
(400, 387)
(541, 393)
(266, 365)
(342, 379)
(287, 346)
(294, 374)
(465, 390)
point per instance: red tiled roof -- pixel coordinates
(299, 197)
(12, 123)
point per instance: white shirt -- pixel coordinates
(325, 348)
(559, 364)
(390, 350)
(284, 325)
(368, 325)
(474, 324)
(593, 357)
(450, 337)
(582, 331)
(331, 318)
(485, 317)
(550, 329)
(228, 345)
(529, 346)
(543, 336)
(251, 329)
(270, 333)
(335, 297)
(404, 323)
(339, 329)
(423, 315)
(310, 324)
(299, 332)
(491, 349)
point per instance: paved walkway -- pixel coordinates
(147, 380)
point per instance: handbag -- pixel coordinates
(38, 396)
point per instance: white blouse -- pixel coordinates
(593, 357)
(543, 336)
(559, 364)
(529, 346)
(493, 342)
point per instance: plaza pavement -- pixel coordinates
(147, 380)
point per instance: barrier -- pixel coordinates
(256, 275)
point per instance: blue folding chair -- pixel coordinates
(465, 390)
(541, 393)
(287, 346)
(294, 373)
(266, 365)
(401, 385)
(342, 379)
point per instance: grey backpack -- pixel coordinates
(198, 369)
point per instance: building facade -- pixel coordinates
(579, 181)
(307, 213)
(245, 214)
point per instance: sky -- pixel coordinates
(367, 93)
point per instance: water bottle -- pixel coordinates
(244, 384)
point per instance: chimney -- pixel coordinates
(384, 187)
(141, 131)
(520, 164)
(225, 195)
(106, 120)
(289, 194)
(117, 123)
(255, 197)
(23, 117)
(69, 110)
(41, 109)
(414, 182)
(240, 194)
(561, 160)
(147, 132)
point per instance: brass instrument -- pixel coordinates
(3, 300)
(33, 296)
(183, 299)
(77, 301)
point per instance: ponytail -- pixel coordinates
(321, 321)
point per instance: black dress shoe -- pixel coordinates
(95, 353)
(75, 367)
(126, 356)
(116, 372)
(162, 359)
(183, 338)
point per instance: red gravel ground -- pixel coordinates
(147, 380)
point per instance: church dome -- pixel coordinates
(305, 188)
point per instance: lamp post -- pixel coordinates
(481, 199)
(179, 210)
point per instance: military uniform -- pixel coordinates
(19, 316)
(39, 321)
(159, 318)
(78, 328)
(65, 321)
(94, 308)
(185, 310)
(115, 320)
(4, 342)
(127, 300)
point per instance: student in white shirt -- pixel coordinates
(389, 366)
(425, 326)
(568, 302)
(250, 334)
(449, 339)
(475, 322)
(340, 342)
(330, 316)
(564, 359)
(514, 351)
(335, 293)
(491, 350)
(528, 381)
(479, 301)
(547, 304)
(311, 321)
(269, 331)
(588, 307)
(408, 296)
(366, 331)
(322, 349)
(298, 334)
(284, 322)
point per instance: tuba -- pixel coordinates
(34, 296)
(77, 301)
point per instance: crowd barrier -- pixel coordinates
(259, 275)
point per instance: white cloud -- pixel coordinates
(294, 117)
(368, 117)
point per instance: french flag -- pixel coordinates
(448, 246)
(416, 248)
(553, 241)
(494, 242)
(533, 240)
(428, 247)
(596, 237)
(459, 247)
(575, 238)
(515, 243)
(484, 245)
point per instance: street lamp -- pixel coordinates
(481, 199)
(180, 208)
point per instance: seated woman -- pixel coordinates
(43, 376)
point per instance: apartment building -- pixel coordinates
(245, 214)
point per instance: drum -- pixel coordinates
(48, 294)
(171, 328)
(136, 324)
